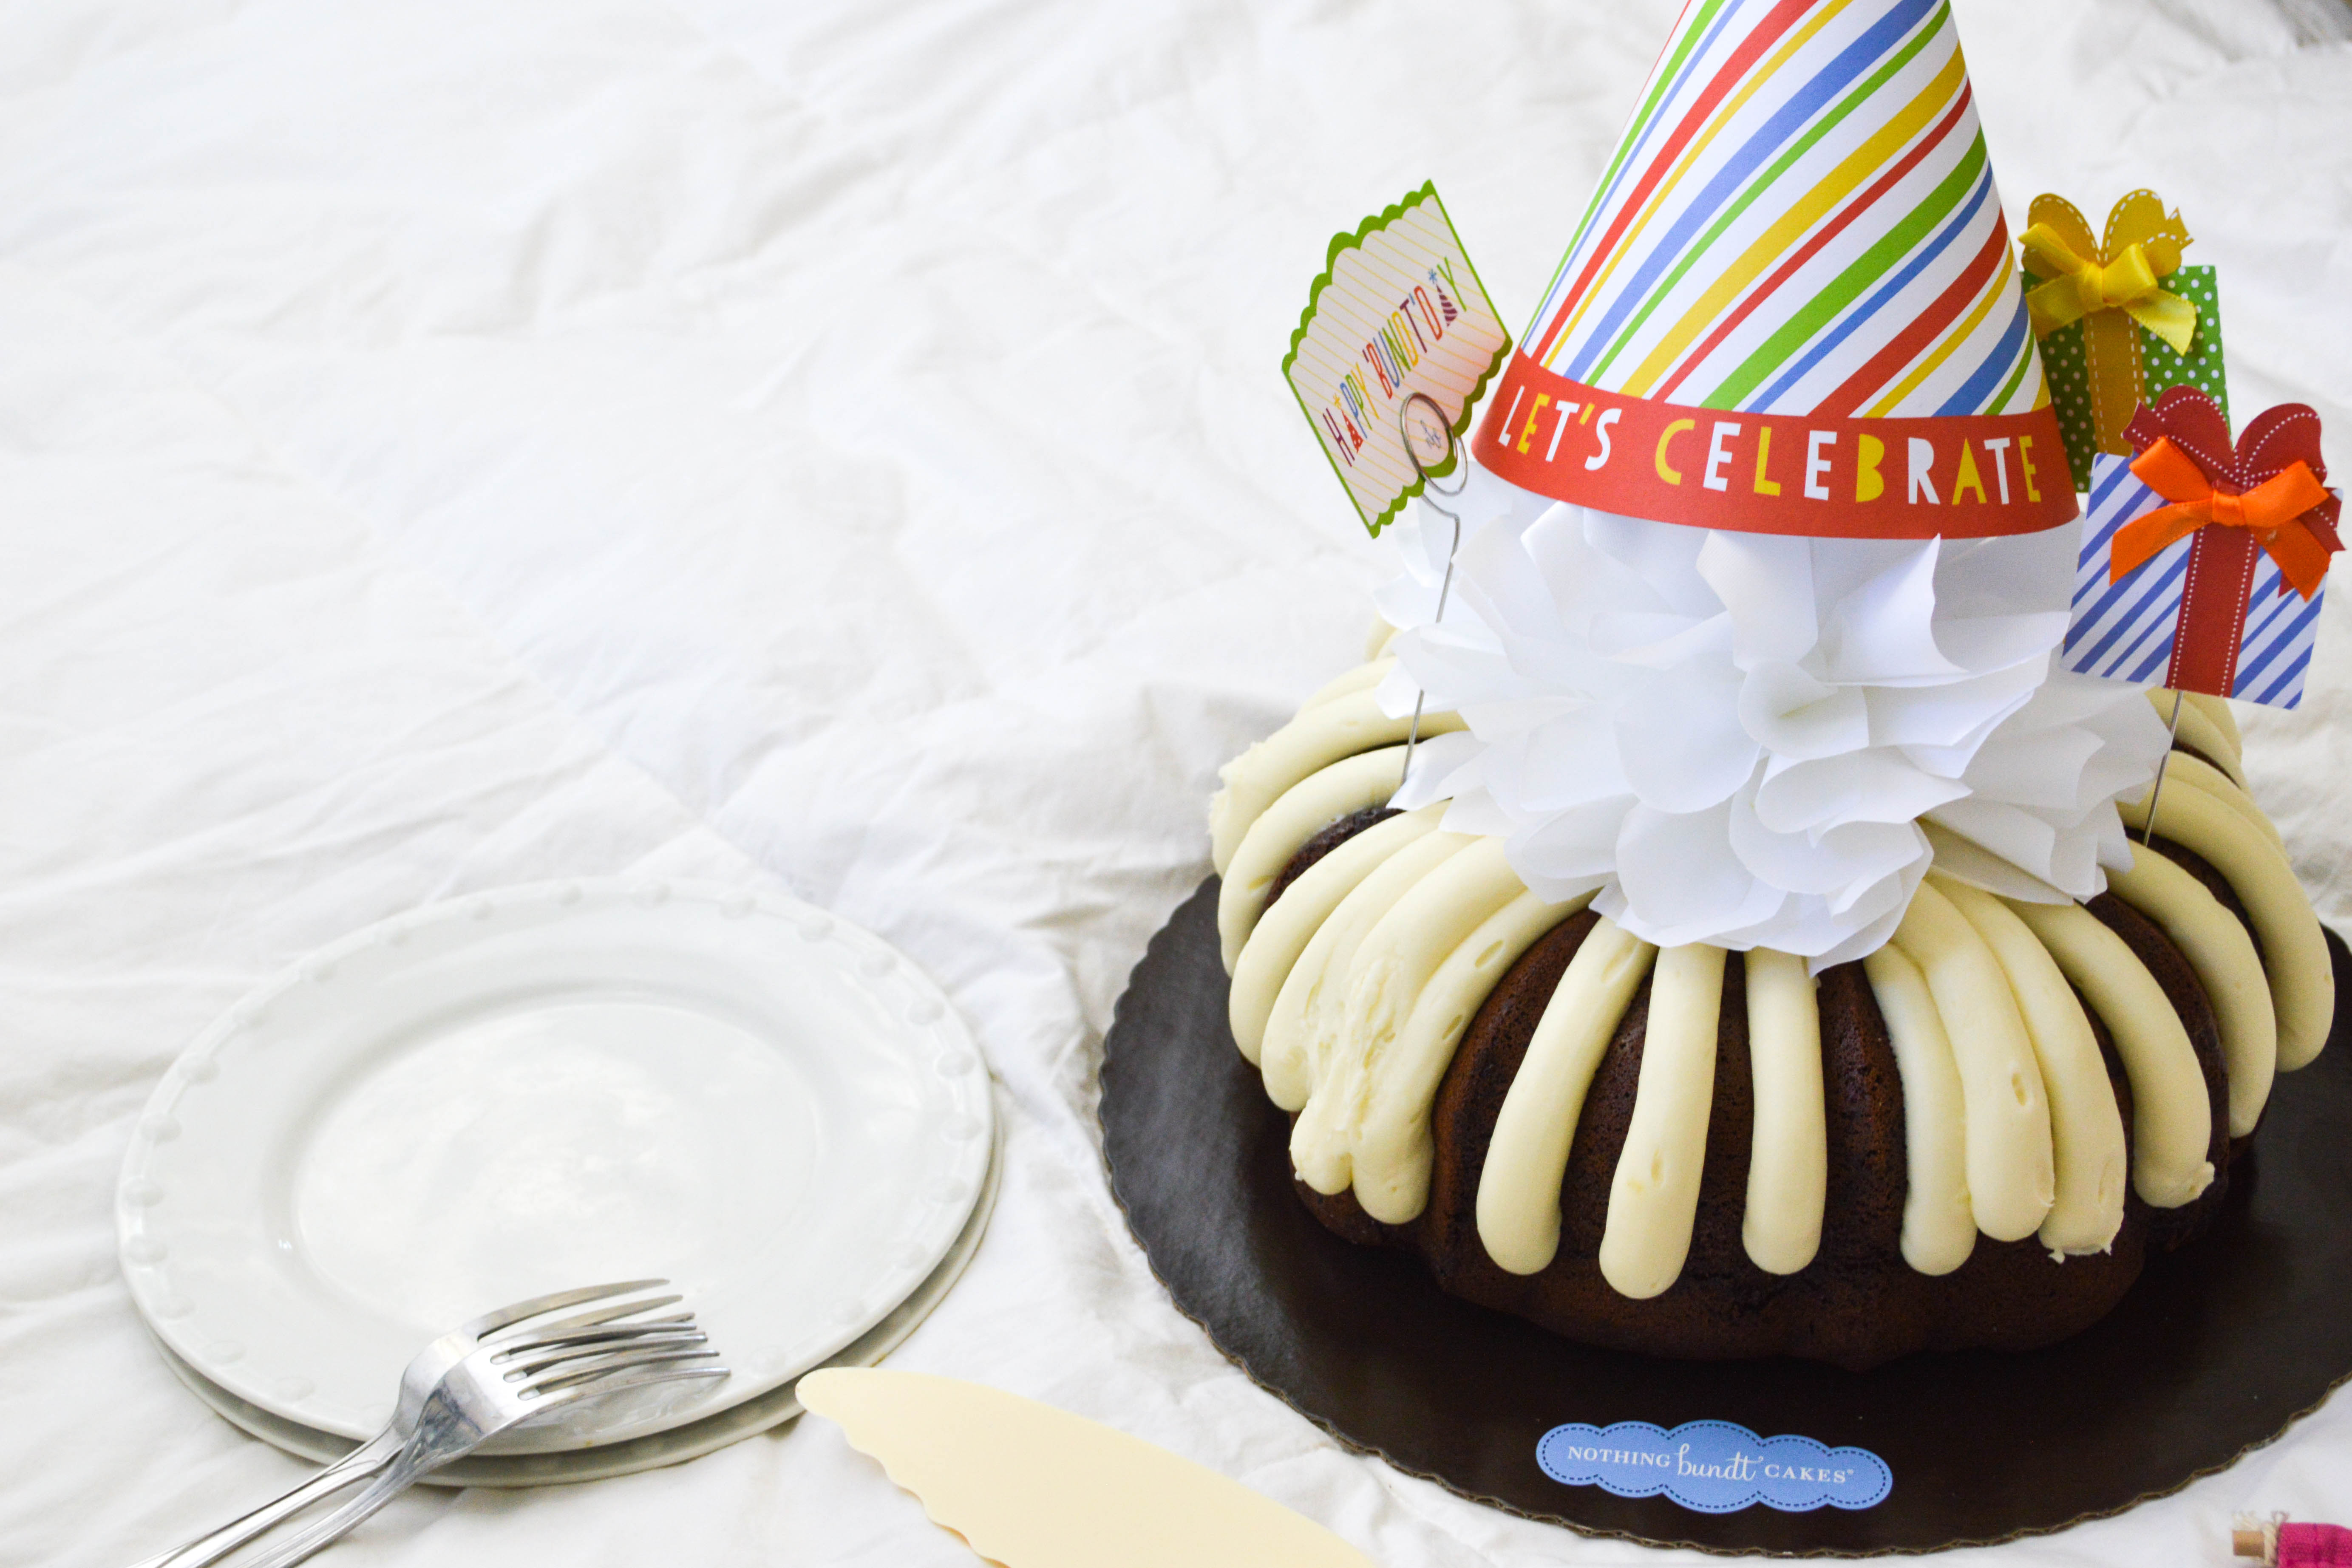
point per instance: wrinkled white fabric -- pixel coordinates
(1733, 737)
(445, 445)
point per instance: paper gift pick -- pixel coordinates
(2119, 318)
(1031, 1486)
(2203, 560)
(1790, 307)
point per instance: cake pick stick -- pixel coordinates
(2156, 791)
(1428, 442)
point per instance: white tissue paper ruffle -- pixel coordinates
(1755, 741)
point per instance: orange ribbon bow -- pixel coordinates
(2273, 511)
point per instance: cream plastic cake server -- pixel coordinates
(1029, 1485)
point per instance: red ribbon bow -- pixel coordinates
(2268, 484)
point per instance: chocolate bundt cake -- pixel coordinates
(1974, 1136)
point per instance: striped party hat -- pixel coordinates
(1792, 307)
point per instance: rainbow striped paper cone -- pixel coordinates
(1792, 305)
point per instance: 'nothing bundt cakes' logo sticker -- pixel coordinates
(1714, 1467)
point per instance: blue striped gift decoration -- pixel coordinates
(2125, 631)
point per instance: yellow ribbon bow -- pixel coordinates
(2079, 286)
(2109, 285)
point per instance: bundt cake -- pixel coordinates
(1973, 1135)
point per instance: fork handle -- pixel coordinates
(394, 1478)
(211, 1547)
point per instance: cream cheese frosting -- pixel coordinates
(2202, 729)
(1318, 737)
(1275, 942)
(1653, 1199)
(1362, 678)
(2193, 771)
(1287, 1058)
(1788, 1159)
(1940, 1225)
(1518, 1189)
(1394, 1150)
(2227, 967)
(2172, 1121)
(1303, 809)
(1360, 1020)
(2005, 1116)
(2294, 952)
(1353, 991)
(2086, 1127)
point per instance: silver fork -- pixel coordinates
(509, 1327)
(495, 1389)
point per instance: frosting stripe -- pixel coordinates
(2186, 767)
(2294, 953)
(2172, 1120)
(1394, 1150)
(1306, 808)
(2225, 723)
(1314, 739)
(1360, 1035)
(2086, 1127)
(2012, 1177)
(1940, 1225)
(1369, 981)
(1279, 937)
(1292, 1071)
(1653, 1197)
(2218, 947)
(2197, 729)
(1788, 1159)
(1518, 1189)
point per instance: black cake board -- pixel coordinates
(2217, 1350)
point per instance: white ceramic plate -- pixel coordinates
(675, 1446)
(522, 1090)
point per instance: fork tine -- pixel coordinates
(600, 1360)
(503, 1317)
(589, 1349)
(601, 1315)
(608, 1337)
(622, 1383)
(509, 1350)
(599, 1372)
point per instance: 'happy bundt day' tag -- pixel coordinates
(1398, 319)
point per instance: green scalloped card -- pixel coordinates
(1398, 318)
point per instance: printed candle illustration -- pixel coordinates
(2203, 560)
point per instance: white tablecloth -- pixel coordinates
(839, 445)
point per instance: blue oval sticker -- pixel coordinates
(1715, 1467)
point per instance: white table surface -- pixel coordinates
(835, 445)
